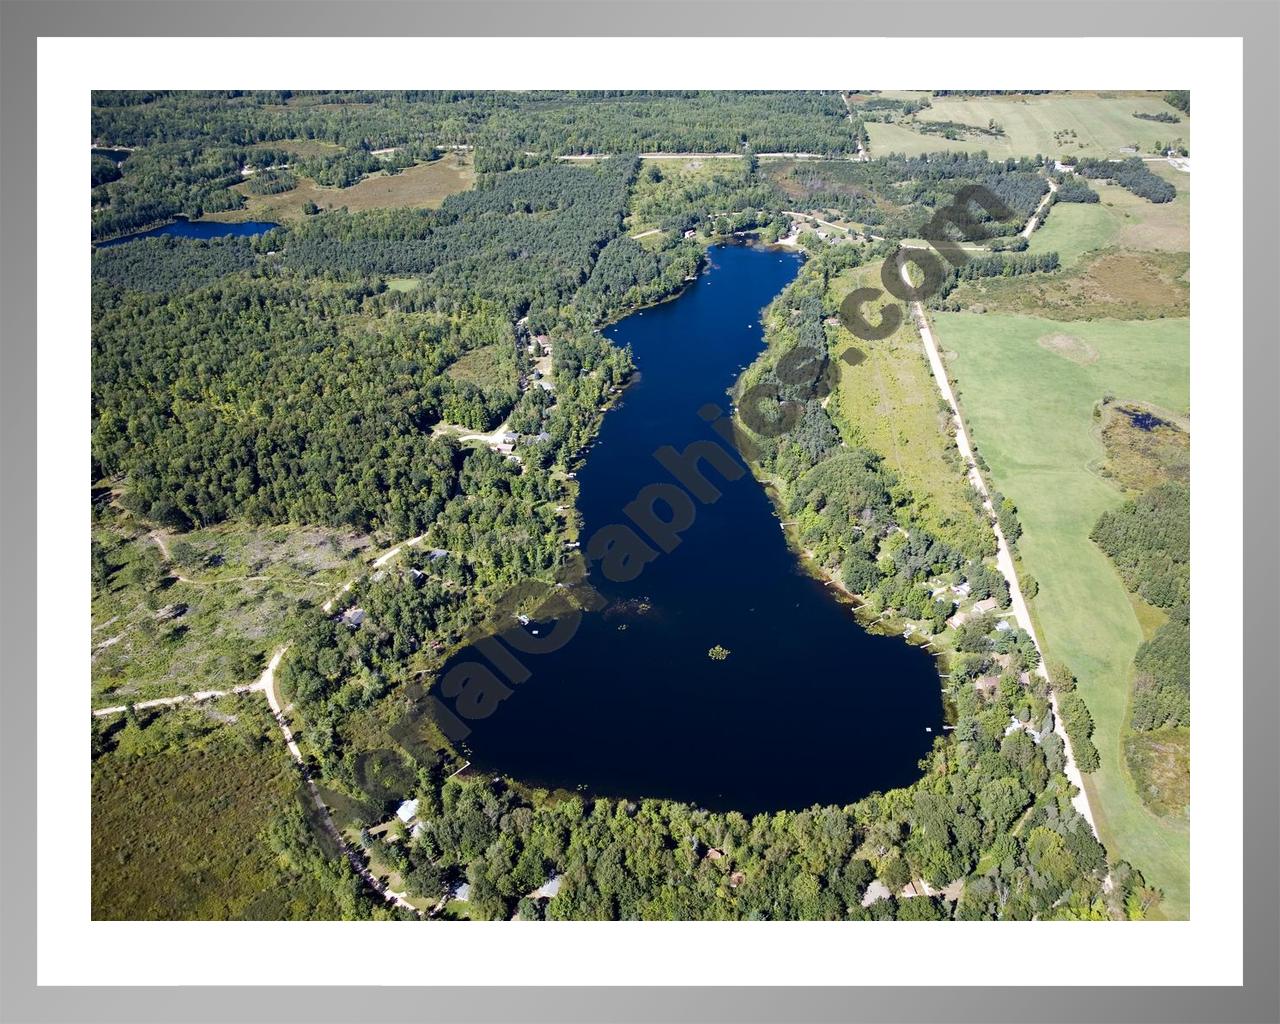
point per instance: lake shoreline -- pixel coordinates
(786, 640)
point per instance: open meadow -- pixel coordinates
(1028, 388)
(1119, 218)
(1099, 124)
(887, 401)
(424, 185)
(191, 819)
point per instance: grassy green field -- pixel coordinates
(486, 367)
(888, 402)
(1029, 407)
(1118, 218)
(1102, 123)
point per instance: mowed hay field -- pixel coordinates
(888, 402)
(1027, 388)
(423, 185)
(1103, 124)
(1118, 218)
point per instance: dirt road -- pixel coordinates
(266, 684)
(1004, 559)
(1034, 219)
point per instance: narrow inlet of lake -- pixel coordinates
(201, 229)
(806, 708)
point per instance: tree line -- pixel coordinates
(1132, 174)
(1149, 540)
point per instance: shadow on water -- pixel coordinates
(806, 707)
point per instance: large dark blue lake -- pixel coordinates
(807, 707)
(198, 229)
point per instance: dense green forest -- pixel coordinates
(1072, 189)
(300, 390)
(1149, 539)
(990, 809)
(192, 146)
(168, 265)
(1132, 174)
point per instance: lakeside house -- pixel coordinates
(987, 684)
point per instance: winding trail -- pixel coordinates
(267, 685)
(1004, 559)
(862, 153)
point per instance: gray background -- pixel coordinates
(1257, 22)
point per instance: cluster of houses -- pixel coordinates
(540, 349)
(458, 891)
(959, 593)
(505, 443)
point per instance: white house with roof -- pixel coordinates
(407, 811)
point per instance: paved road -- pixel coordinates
(1004, 559)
